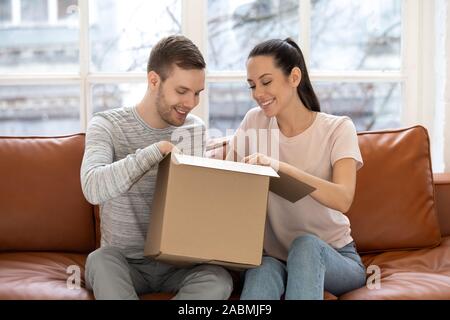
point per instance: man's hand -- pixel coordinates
(165, 147)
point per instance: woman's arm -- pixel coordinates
(337, 194)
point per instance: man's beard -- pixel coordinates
(165, 110)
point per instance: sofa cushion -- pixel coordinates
(394, 207)
(42, 207)
(40, 276)
(44, 276)
(418, 274)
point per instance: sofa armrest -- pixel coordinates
(442, 189)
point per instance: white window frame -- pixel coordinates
(415, 76)
(52, 16)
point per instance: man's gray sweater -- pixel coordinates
(119, 170)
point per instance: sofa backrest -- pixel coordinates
(42, 207)
(394, 207)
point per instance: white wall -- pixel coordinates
(441, 126)
(446, 95)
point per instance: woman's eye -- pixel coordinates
(266, 83)
(251, 87)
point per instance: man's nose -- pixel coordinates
(190, 102)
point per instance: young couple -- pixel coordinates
(308, 247)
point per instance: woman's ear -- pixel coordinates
(153, 80)
(296, 76)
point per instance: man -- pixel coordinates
(123, 149)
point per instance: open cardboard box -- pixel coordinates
(213, 211)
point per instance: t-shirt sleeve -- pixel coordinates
(345, 144)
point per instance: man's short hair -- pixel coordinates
(175, 49)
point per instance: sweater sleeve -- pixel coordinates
(103, 179)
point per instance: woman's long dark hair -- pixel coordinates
(287, 55)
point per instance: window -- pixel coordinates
(356, 35)
(5, 11)
(366, 58)
(33, 10)
(338, 37)
(50, 69)
(123, 32)
(66, 9)
(235, 27)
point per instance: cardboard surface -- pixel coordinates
(289, 188)
(223, 165)
(211, 211)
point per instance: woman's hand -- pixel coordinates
(262, 160)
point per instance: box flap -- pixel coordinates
(223, 165)
(289, 188)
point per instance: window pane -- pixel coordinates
(111, 96)
(5, 11)
(371, 106)
(39, 110)
(34, 10)
(67, 9)
(228, 104)
(236, 26)
(27, 49)
(356, 35)
(122, 33)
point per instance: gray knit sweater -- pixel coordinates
(119, 169)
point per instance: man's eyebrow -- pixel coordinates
(188, 89)
(265, 74)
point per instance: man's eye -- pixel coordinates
(181, 92)
(251, 87)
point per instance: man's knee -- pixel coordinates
(103, 254)
(99, 260)
(218, 280)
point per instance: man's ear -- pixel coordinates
(153, 80)
(296, 76)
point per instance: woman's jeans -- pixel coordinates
(312, 266)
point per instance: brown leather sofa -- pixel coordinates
(400, 218)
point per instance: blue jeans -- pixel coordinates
(312, 266)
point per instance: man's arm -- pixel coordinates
(101, 178)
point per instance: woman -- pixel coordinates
(307, 247)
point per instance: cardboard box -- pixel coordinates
(211, 211)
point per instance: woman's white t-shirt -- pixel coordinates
(328, 139)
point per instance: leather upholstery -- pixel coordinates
(442, 187)
(409, 274)
(394, 208)
(46, 224)
(42, 207)
(40, 275)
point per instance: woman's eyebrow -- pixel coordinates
(265, 74)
